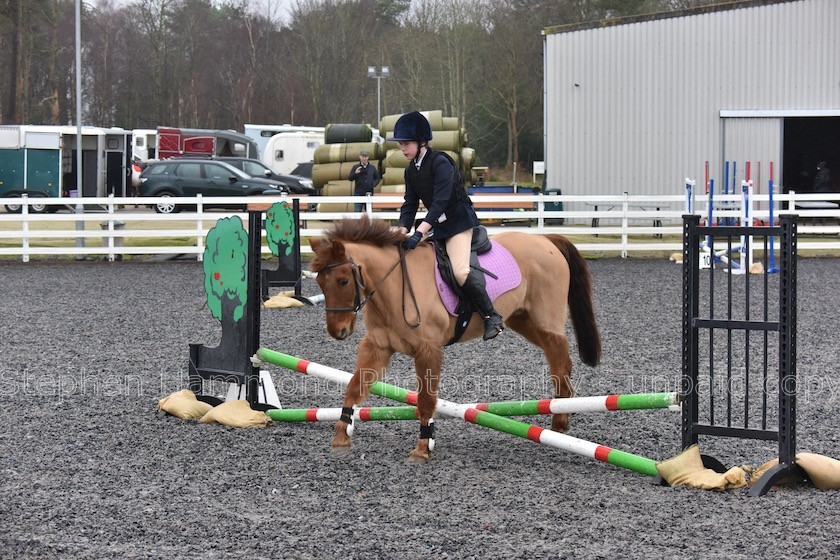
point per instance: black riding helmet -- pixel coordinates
(412, 127)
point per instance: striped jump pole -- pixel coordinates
(473, 415)
(365, 414)
(571, 405)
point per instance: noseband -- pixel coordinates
(361, 297)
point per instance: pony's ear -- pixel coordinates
(318, 242)
(338, 251)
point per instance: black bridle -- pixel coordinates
(361, 296)
(359, 286)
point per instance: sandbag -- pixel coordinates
(330, 153)
(338, 133)
(282, 301)
(237, 414)
(184, 405)
(338, 188)
(824, 472)
(687, 468)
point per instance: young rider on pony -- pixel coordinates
(430, 178)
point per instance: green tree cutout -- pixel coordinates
(280, 227)
(226, 266)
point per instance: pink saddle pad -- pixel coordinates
(497, 260)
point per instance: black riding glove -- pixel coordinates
(412, 241)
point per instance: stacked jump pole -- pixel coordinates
(570, 405)
(469, 414)
(734, 415)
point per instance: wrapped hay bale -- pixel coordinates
(335, 207)
(395, 158)
(331, 153)
(449, 140)
(467, 158)
(323, 173)
(338, 188)
(435, 118)
(393, 176)
(389, 145)
(391, 189)
(451, 123)
(337, 133)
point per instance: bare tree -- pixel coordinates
(153, 16)
(331, 41)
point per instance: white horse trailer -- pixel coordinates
(285, 150)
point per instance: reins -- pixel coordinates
(359, 301)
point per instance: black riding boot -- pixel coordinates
(475, 288)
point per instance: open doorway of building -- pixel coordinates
(809, 143)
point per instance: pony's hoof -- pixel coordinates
(341, 440)
(418, 457)
(560, 423)
(340, 451)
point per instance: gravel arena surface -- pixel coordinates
(90, 471)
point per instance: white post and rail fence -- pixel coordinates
(621, 225)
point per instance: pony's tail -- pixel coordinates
(580, 301)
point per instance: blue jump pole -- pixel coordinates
(725, 188)
(771, 267)
(710, 221)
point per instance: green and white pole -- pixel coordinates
(472, 415)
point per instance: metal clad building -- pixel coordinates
(637, 104)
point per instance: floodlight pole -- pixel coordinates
(80, 209)
(378, 74)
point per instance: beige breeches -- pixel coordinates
(458, 248)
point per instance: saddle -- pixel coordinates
(503, 272)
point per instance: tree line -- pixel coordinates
(221, 64)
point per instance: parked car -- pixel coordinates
(137, 167)
(303, 170)
(255, 168)
(191, 176)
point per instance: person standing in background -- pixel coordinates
(365, 176)
(822, 180)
